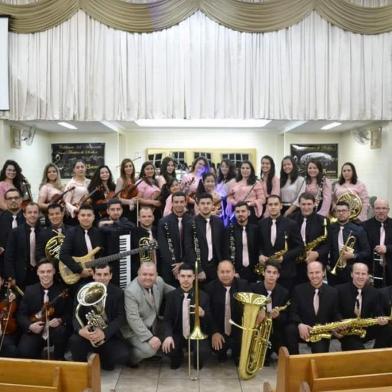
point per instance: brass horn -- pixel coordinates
(52, 248)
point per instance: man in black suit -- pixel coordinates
(210, 234)
(244, 258)
(224, 307)
(312, 303)
(36, 331)
(337, 236)
(146, 229)
(279, 297)
(80, 240)
(56, 227)
(312, 226)
(358, 299)
(170, 230)
(178, 322)
(275, 233)
(379, 234)
(109, 343)
(113, 227)
(20, 258)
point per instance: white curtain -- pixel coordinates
(84, 70)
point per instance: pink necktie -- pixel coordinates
(358, 303)
(273, 232)
(269, 304)
(88, 241)
(186, 329)
(45, 333)
(14, 222)
(209, 239)
(33, 262)
(316, 301)
(303, 231)
(340, 238)
(245, 250)
(382, 234)
(227, 312)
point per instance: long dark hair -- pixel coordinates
(252, 178)
(271, 173)
(96, 180)
(19, 178)
(294, 173)
(354, 178)
(163, 169)
(165, 191)
(143, 177)
(122, 170)
(206, 164)
(200, 187)
(230, 174)
(319, 167)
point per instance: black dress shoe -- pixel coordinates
(175, 364)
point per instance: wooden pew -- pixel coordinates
(29, 375)
(363, 370)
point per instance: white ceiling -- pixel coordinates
(280, 126)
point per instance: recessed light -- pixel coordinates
(67, 125)
(331, 125)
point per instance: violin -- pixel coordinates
(56, 198)
(129, 191)
(107, 196)
(47, 311)
(8, 324)
(26, 193)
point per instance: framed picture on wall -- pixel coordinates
(64, 155)
(327, 154)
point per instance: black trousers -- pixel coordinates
(293, 338)
(382, 334)
(112, 352)
(232, 342)
(31, 344)
(9, 347)
(180, 343)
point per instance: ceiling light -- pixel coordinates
(202, 123)
(67, 125)
(331, 125)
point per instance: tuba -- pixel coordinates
(92, 295)
(255, 338)
(53, 246)
(348, 246)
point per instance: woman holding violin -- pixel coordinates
(78, 195)
(167, 171)
(51, 188)
(11, 177)
(102, 182)
(148, 189)
(127, 189)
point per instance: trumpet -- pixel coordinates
(348, 246)
(277, 256)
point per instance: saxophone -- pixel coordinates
(255, 338)
(313, 244)
(277, 256)
(352, 326)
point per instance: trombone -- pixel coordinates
(196, 334)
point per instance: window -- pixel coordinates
(236, 157)
(156, 159)
(206, 155)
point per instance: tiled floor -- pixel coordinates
(158, 377)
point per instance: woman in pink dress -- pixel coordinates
(190, 181)
(348, 182)
(11, 177)
(50, 186)
(79, 183)
(269, 181)
(169, 188)
(226, 177)
(319, 186)
(148, 189)
(247, 188)
(208, 185)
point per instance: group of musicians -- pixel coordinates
(313, 271)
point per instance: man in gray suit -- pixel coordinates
(143, 299)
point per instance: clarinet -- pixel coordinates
(319, 196)
(232, 244)
(169, 243)
(196, 242)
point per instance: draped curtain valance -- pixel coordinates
(270, 15)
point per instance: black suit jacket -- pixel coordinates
(217, 294)
(279, 297)
(75, 245)
(314, 229)
(386, 298)
(217, 231)
(32, 303)
(372, 228)
(169, 226)
(114, 310)
(302, 310)
(44, 236)
(137, 234)
(284, 226)
(372, 301)
(235, 231)
(17, 254)
(172, 324)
